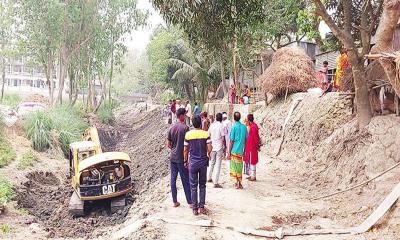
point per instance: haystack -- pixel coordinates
(291, 71)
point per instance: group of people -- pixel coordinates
(245, 97)
(197, 153)
(326, 83)
(175, 104)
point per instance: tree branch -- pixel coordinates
(320, 10)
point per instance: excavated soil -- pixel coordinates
(46, 196)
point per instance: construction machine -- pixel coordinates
(96, 175)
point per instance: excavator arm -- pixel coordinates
(91, 134)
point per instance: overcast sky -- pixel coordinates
(139, 39)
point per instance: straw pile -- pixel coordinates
(291, 71)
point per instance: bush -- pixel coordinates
(38, 127)
(7, 153)
(5, 229)
(6, 191)
(64, 121)
(105, 113)
(11, 99)
(28, 160)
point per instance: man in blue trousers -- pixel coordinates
(175, 142)
(198, 146)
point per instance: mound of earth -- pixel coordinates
(46, 196)
(142, 135)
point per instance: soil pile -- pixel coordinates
(142, 136)
(46, 196)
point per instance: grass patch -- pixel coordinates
(61, 123)
(11, 99)
(28, 160)
(105, 112)
(7, 153)
(5, 229)
(6, 191)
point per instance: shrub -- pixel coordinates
(5, 229)
(11, 99)
(105, 113)
(28, 160)
(6, 191)
(7, 153)
(38, 127)
(64, 121)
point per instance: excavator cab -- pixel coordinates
(96, 175)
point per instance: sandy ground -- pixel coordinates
(265, 204)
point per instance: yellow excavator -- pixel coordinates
(96, 175)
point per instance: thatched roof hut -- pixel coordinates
(291, 71)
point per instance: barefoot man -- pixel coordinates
(175, 142)
(198, 146)
(251, 149)
(238, 137)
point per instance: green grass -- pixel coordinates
(61, 124)
(38, 127)
(11, 99)
(105, 113)
(7, 153)
(6, 191)
(5, 229)
(28, 160)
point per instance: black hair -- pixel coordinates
(196, 120)
(236, 116)
(195, 103)
(218, 117)
(250, 117)
(205, 114)
(180, 112)
(325, 62)
(224, 113)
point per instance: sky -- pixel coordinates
(138, 39)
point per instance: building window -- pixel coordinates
(17, 68)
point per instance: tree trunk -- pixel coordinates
(188, 91)
(49, 78)
(384, 42)
(64, 62)
(71, 84)
(111, 69)
(222, 72)
(363, 104)
(234, 63)
(3, 76)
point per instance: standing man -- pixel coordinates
(173, 111)
(198, 145)
(196, 110)
(175, 142)
(251, 149)
(217, 136)
(238, 137)
(188, 109)
(205, 122)
(227, 124)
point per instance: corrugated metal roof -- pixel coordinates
(328, 56)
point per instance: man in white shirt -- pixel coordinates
(188, 109)
(227, 124)
(217, 136)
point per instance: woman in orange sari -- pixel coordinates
(342, 64)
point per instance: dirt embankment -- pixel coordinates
(324, 151)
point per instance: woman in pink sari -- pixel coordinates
(251, 149)
(232, 94)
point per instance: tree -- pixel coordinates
(41, 34)
(384, 38)
(353, 22)
(7, 24)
